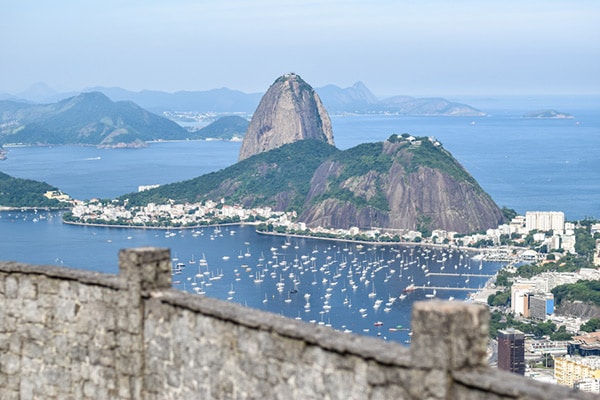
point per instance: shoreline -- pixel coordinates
(164, 228)
(409, 244)
(363, 242)
(6, 208)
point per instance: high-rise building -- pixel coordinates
(545, 221)
(541, 305)
(511, 351)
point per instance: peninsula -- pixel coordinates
(289, 164)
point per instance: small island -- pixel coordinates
(548, 114)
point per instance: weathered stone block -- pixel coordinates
(449, 335)
(48, 286)
(32, 349)
(11, 287)
(146, 267)
(27, 288)
(10, 363)
(31, 312)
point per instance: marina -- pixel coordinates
(352, 287)
(467, 289)
(460, 274)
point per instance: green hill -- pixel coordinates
(403, 183)
(279, 178)
(27, 193)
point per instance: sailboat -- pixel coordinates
(372, 293)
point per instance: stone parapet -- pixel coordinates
(68, 334)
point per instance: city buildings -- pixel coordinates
(585, 345)
(535, 291)
(588, 385)
(570, 370)
(541, 305)
(545, 221)
(511, 351)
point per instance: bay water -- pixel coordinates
(524, 164)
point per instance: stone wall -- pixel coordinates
(70, 334)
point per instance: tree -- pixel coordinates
(548, 360)
(499, 299)
(561, 334)
(584, 242)
(591, 326)
(508, 213)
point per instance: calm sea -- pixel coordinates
(523, 164)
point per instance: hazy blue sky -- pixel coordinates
(414, 47)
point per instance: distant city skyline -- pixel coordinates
(428, 48)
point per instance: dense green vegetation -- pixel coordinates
(586, 291)
(508, 213)
(427, 154)
(499, 299)
(592, 325)
(356, 163)
(585, 242)
(282, 174)
(17, 192)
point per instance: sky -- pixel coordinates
(395, 47)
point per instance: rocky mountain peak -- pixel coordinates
(289, 111)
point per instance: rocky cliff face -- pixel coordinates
(289, 111)
(577, 309)
(403, 184)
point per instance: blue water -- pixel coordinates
(340, 282)
(523, 164)
(86, 172)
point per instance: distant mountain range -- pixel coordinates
(359, 99)
(93, 119)
(355, 99)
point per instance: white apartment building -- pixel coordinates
(545, 220)
(589, 385)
